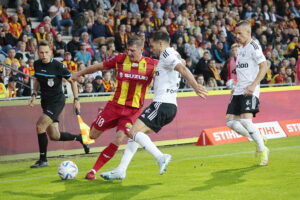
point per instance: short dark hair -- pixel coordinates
(160, 36)
(43, 43)
(136, 40)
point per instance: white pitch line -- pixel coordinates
(191, 158)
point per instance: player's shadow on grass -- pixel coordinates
(225, 178)
(12, 173)
(75, 188)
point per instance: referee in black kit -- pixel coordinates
(49, 74)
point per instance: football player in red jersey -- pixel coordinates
(134, 74)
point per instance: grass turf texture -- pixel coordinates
(214, 172)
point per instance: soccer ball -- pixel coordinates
(67, 170)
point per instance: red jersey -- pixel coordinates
(133, 79)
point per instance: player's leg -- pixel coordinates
(106, 119)
(41, 126)
(56, 135)
(250, 106)
(233, 122)
(232, 116)
(153, 119)
(119, 173)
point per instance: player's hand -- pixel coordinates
(249, 90)
(77, 106)
(75, 76)
(31, 101)
(201, 91)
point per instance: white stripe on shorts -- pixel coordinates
(154, 113)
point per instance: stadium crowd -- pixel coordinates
(202, 31)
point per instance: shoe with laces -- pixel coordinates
(264, 157)
(163, 163)
(114, 175)
(39, 164)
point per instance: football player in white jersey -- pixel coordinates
(251, 67)
(163, 108)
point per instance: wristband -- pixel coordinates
(33, 94)
(76, 99)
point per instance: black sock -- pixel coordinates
(66, 136)
(43, 143)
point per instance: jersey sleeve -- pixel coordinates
(111, 63)
(258, 56)
(171, 59)
(63, 71)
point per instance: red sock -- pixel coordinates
(105, 156)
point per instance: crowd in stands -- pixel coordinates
(202, 31)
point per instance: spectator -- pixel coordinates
(72, 66)
(85, 38)
(228, 72)
(11, 58)
(22, 54)
(27, 32)
(30, 63)
(46, 20)
(21, 16)
(41, 34)
(60, 46)
(105, 4)
(202, 66)
(32, 47)
(56, 12)
(83, 55)
(280, 77)
(290, 74)
(200, 80)
(98, 84)
(3, 91)
(191, 50)
(99, 30)
(81, 23)
(11, 87)
(74, 45)
(219, 54)
(134, 7)
(88, 88)
(108, 83)
(121, 38)
(213, 72)
(212, 84)
(7, 40)
(102, 54)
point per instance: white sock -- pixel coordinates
(128, 154)
(237, 127)
(254, 133)
(146, 142)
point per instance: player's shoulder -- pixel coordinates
(169, 53)
(151, 60)
(254, 45)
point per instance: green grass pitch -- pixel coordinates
(226, 172)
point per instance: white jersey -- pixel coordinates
(247, 67)
(167, 79)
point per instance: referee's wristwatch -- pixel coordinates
(76, 99)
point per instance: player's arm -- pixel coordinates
(186, 74)
(261, 74)
(75, 94)
(36, 87)
(88, 70)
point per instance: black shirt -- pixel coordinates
(50, 77)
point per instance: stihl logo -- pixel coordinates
(225, 135)
(293, 127)
(268, 130)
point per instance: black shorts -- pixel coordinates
(53, 109)
(158, 114)
(240, 104)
